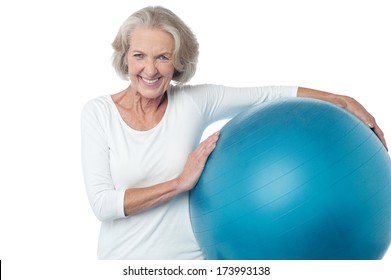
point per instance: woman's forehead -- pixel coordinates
(150, 37)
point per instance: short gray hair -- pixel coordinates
(185, 54)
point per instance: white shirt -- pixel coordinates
(116, 157)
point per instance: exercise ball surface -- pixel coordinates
(294, 179)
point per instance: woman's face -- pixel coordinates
(150, 61)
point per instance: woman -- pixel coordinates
(140, 146)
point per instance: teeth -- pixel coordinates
(150, 81)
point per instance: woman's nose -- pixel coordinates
(150, 68)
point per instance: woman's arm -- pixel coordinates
(109, 203)
(347, 103)
(137, 200)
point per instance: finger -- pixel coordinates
(371, 123)
(209, 149)
(211, 139)
(204, 151)
(214, 137)
(376, 129)
(379, 133)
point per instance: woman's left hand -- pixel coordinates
(360, 112)
(349, 104)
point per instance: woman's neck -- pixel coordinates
(139, 112)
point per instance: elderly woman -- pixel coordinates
(140, 147)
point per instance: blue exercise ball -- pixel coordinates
(295, 179)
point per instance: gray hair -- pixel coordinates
(185, 54)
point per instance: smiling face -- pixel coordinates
(150, 61)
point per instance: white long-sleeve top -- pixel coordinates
(116, 157)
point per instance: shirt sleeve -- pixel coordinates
(217, 102)
(106, 202)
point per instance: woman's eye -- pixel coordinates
(138, 55)
(163, 57)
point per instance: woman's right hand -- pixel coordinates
(139, 199)
(196, 162)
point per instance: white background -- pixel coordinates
(56, 55)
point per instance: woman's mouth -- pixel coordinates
(150, 82)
